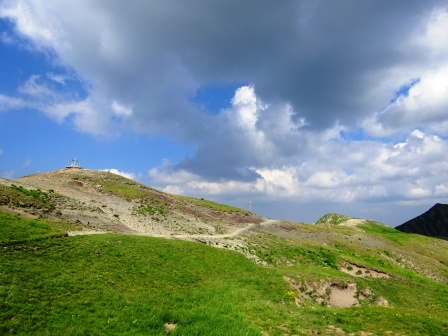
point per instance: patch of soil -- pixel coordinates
(288, 228)
(363, 272)
(169, 327)
(333, 294)
(343, 295)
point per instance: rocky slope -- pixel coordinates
(105, 201)
(433, 222)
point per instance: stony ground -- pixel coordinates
(88, 201)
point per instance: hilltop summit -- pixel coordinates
(114, 203)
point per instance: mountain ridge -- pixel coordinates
(433, 222)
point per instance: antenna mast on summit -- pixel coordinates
(74, 164)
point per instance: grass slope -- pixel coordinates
(17, 230)
(128, 285)
(18, 196)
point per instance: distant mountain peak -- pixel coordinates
(433, 222)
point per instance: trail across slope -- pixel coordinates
(209, 236)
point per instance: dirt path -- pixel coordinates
(188, 236)
(85, 232)
(218, 236)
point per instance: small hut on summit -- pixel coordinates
(74, 165)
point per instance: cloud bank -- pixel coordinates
(341, 101)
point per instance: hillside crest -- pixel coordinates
(106, 201)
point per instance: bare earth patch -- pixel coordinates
(342, 295)
(169, 327)
(332, 294)
(363, 272)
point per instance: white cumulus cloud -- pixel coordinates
(426, 103)
(128, 175)
(344, 172)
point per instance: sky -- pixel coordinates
(295, 108)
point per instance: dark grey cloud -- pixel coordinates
(314, 54)
(327, 62)
(341, 54)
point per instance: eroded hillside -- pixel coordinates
(105, 201)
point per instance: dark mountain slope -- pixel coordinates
(433, 222)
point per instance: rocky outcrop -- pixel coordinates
(433, 222)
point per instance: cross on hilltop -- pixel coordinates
(74, 164)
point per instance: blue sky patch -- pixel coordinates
(403, 91)
(216, 97)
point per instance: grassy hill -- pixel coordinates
(105, 201)
(273, 278)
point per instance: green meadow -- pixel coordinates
(114, 284)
